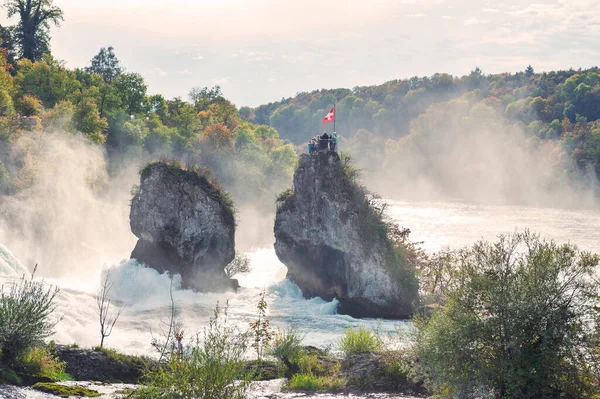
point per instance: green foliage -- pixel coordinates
(519, 319)
(65, 391)
(25, 317)
(40, 362)
(285, 200)
(261, 330)
(361, 340)
(311, 383)
(105, 64)
(88, 121)
(213, 367)
(287, 346)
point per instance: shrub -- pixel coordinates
(25, 312)
(287, 348)
(40, 362)
(239, 265)
(213, 368)
(519, 320)
(360, 341)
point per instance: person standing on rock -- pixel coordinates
(324, 143)
(334, 139)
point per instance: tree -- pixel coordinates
(204, 97)
(32, 32)
(529, 72)
(131, 88)
(519, 319)
(105, 64)
(108, 319)
(240, 264)
(87, 120)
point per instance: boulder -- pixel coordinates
(380, 372)
(104, 365)
(185, 225)
(336, 245)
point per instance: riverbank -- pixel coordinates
(106, 373)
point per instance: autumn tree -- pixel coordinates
(202, 98)
(31, 34)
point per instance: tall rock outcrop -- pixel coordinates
(185, 225)
(335, 244)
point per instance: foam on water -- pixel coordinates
(145, 292)
(9, 264)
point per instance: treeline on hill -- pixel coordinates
(111, 107)
(559, 109)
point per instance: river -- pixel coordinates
(437, 224)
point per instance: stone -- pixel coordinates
(335, 245)
(185, 225)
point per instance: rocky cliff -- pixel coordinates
(335, 244)
(185, 225)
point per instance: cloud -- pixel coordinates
(304, 57)
(475, 21)
(419, 15)
(184, 72)
(160, 72)
(199, 58)
(221, 81)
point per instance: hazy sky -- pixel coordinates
(262, 50)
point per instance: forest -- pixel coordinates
(558, 111)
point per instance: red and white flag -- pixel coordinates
(330, 116)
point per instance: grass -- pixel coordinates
(65, 391)
(312, 383)
(128, 360)
(361, 340)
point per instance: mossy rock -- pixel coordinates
(64, 391)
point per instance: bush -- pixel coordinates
(287, 348)
(239, 265)
(519, 319)
(360, 341)
(40, 362)
(25, 312)
(214, 368)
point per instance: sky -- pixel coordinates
(260, 51)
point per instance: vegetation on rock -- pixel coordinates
(65, 391)
(361, 340)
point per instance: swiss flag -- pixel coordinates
(330, 116)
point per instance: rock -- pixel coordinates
(104, 365)
(370, 372)
(336, 246)
(185, 225)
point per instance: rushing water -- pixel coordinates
(146, 292)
